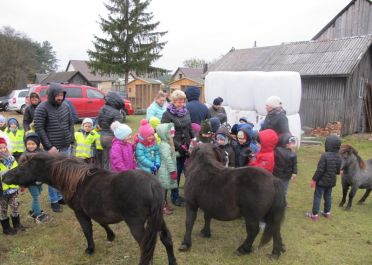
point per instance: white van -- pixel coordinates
(17, 100)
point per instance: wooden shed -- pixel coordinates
(142, 91)
(335, 75)
(187, 82)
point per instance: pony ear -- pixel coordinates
(26, 157)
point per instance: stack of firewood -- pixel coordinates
(332, 128)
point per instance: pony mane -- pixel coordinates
(67, 173)
(351, 150)
(207, 153)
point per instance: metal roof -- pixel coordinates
(309, 58)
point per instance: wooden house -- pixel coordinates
(334, 73)
(142, 92)
(354, 20)
(185, 77)
(73, 77)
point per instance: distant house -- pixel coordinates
(142, 91)
(185, 77)
(336, 77)
(354, 20)
(74, 77)
(104, 82)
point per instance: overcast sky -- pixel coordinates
(205, 29)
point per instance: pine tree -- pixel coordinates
(131, 43)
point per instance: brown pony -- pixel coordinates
(356, 174)
(226, 194)
(108, 198)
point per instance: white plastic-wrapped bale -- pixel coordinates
(294, 122)
(286, 85)
(216, 85)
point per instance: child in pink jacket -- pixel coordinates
(121, 153)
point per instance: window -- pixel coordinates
(361, 88)
(91, 93)
(43, 92)
(73, 92)
(23, 94)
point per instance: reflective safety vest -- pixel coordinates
(83, 144)
(98, 140)
(3, 169)
(16, 140)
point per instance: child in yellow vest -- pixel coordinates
(15, 135)
(9, 193)
(84, 141)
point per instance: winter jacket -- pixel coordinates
(182, 126)
(155, 110)
(147, 156)
(121, 156)
(198, 111)
(28, 116)
(265, 158)
(110, 112)
(285, 159)
(228, 148)
(53, 122)
(75, 117)
(167, 157)
(214, 112)
(329, 164)
(276, 120)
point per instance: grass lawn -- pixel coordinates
(346, 238)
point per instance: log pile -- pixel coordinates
(332, 128)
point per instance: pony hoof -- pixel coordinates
(205, 234)
(347, 208)
(89, 251)
(243, 251)
(184, 248)
(274, 256)
(341, 205)
(111, 237)
(360, 202)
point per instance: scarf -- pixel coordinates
(177, 112)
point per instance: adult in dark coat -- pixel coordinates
(198, 111)
(216, 108)
(276, 118)
(55, 127)
(109, 113)
(179, 115)
(28, 116)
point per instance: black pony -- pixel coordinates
(226, 194)
(108, 198)
(356, 173)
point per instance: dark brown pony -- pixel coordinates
(108, 198)
(226, 194)
(357, 174)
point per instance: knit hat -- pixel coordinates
(223, 130)
(3, 141)
(222, 137)
(215, 124)
(87, 120)
(235, 129)
(222, 117)
(195, 128)
(31, 136)
(121, 131)
(2, 118)
(12, 121)
(154, 122)
(145, 130)
(274, 102)
(217, 101)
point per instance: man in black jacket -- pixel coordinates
(55, 126)
(198, 111)
(109, 113)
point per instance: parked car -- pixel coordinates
(87, 100)
(4, 103)
(17, 100)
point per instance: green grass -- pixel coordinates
(344, 239)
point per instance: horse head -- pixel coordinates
(209, 153)
(349, 156)
(30, 170)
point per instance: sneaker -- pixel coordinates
(178, 203)
(312, 216)
(56, 207)
(42, 218)
(167, 211)
(326, 215)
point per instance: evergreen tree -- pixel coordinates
(131, 43)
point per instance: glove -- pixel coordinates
(157, 166)
(153, 169)
(312, 184)
(173, 175)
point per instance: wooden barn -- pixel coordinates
(335, 75)
(185, 77)
(142, 91)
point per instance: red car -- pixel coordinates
(87, 100)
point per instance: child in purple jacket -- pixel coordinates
(121, 153)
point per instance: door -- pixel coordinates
(75, 96)
(95, 100)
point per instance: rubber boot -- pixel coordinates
(56, 207)
(16, 221)
(7, 230)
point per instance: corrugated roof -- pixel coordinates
(309, 58)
